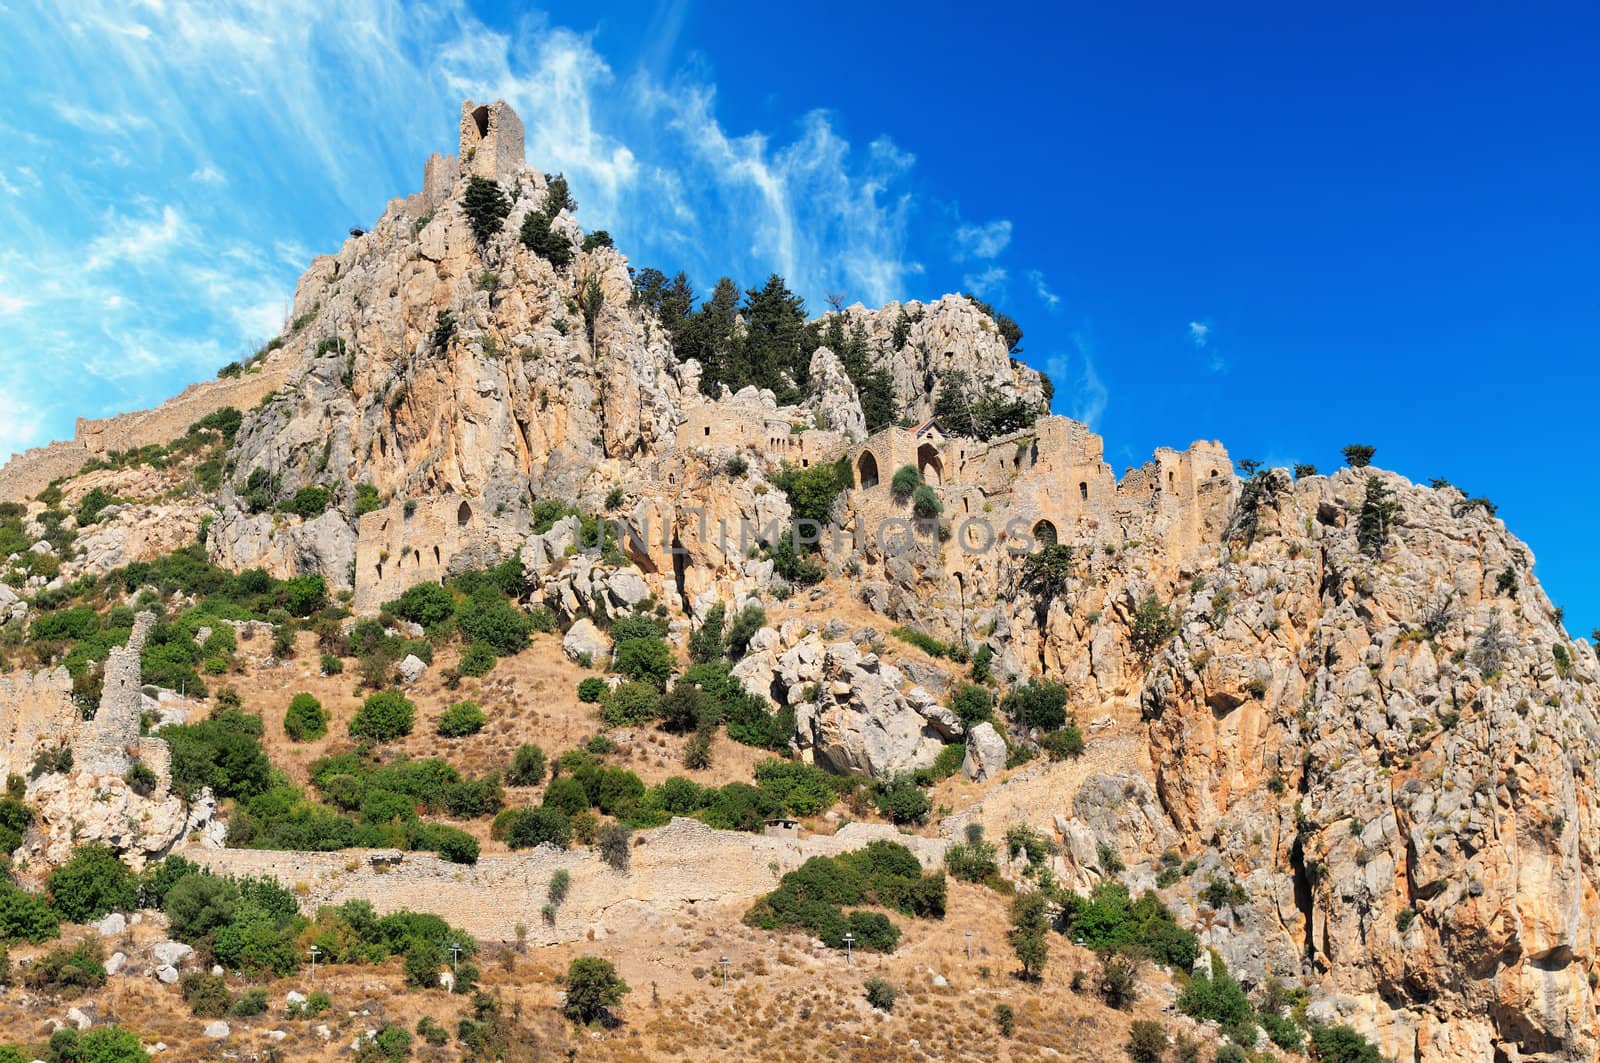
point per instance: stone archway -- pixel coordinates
(929, 465)
(866, 470)
(1044, 533)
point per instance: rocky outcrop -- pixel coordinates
(861, 722)
(79, 808)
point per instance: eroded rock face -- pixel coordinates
(75, 809)
(863, 725)
(1398, 746)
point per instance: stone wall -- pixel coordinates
(30, 472)
(26, 474)
(675, 868)
(491, 140)
(438, 537)
(37, 712)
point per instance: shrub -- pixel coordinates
(308, 502)
(646, 659)
(593, 989)
(631, 703)
(697, 752)
(567, 794)
(1152, 627)
(93, 882)
(1342, 1044)
(69, 969)
(25, 916)
(972, 861)
(1358, 455)
(904, 802)
(1063, 743)
(880, 994)
(906, 480)
(926, 504)
(305, 595)
(461, 719)
(706, 644)
(1222, 891)
(1147, 1041)
(141, 779)
(496, 622)
(614, 845)
(591, 690)
(972, 703)
(304, 721)
(1041, 704)
(1219, 997)
(527, 766)
(1029, 933)
(751, 618)
(384, 717)
(485, 206)
(1119, 980)
(1285, 1033)
(526, 828)
(477, 659)
(427, 604)
(206, 994)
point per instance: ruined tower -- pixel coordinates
(491, 140)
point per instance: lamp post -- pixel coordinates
(455, 955)
(969, 946)
(849, 949)
(724, 962)
(315, 952)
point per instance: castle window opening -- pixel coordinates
(480, 118)
(416, 555)
(1213, 474)
(928, 464)
(866, 470)
(1044, 533)
(1169, 479)
(463, 514)
(436, 555)
(708, 429)
(1083, 490)
(379, 567)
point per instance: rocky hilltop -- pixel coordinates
(1334, 721)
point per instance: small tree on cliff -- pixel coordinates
(486, 207)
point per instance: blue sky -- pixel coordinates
(1281, 226)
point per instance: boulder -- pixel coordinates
(412, 669)
(986, 753)
(584, 640)
(216, 1030)
(171, 953)
(167, 974)
(113, 925)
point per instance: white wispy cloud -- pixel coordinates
(989, 283)
(230, 140)
(1042, 289)
(1199, 333)
(1080, 390)
(983, 241)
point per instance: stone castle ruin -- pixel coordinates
(38, 714)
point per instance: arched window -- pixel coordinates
(463, 514)
(929, 465)
(866, 470)
(1083, 490)
(1044, 533)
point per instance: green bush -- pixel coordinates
(905, 481)
(1041, 704)
(223, 752)
(631, 703)
(566, 794)
(751, 618)
(206, 994)
(883, 873)
(926, 504)
(1147, 1041)
(880, 994)
(527, 766)
(903, 802)
(69, 969)
(1217, 996)
(524, 828)
(304, 721)
(496, 622)
(1342, 1044)
(384, 717)
(90, 884)
(25, 916)
(1110, 920)
(1063, 743)
(645, 659)
(485, 206)
(461, 719)
(477, 659)
(428, 604)
(972, 703)
(309, 501)
(592, 690)
(593, 989)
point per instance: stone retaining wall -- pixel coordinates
(676, 868)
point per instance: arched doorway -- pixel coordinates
(929, 466)
(866, 470)
(1044, 533)
(463, 514)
